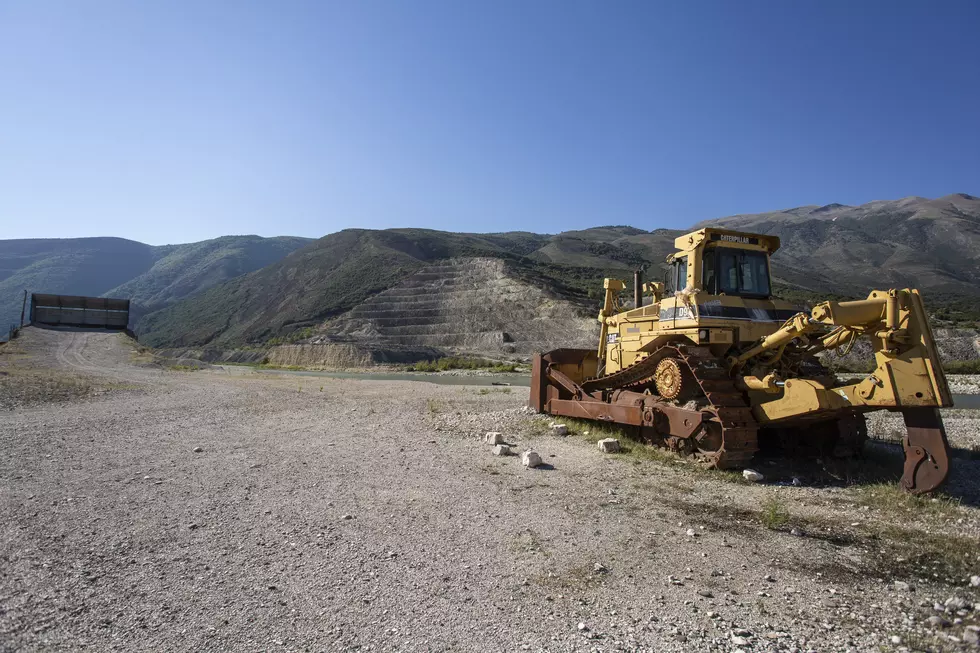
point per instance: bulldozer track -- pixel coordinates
(730, 412)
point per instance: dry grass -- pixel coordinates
(142, 356)
(31, 387)
(888, 550)
(774, 514)
(487, 391)
(631, 448)
(894, 502)
(916, 552)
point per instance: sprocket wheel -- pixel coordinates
(670, 379)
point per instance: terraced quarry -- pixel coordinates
(472, 306)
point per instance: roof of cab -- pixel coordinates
(695, 238)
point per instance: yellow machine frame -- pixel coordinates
(755, 346)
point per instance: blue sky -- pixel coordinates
(178, 121)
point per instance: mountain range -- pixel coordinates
(240, 290)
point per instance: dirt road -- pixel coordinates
(197, 511)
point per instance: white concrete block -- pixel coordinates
(493, 437)
(501, 450)
(530, 458)
(609, 445)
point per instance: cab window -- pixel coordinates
(754, 274)
(708, 272)
(675, 278)
(741, 272)
(728, 266)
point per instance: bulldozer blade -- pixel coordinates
(926, 450)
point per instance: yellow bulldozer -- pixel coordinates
(708, 361)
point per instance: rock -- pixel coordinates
(896, 640)
(955, 603)
(493, 437)
(971, 636)
(902, 586)
(609, 445)
(796, 532)
(501, 450)
(739, 641)
(752, 476)
(530, 458)
(692, 533)
(559, 429)
(975, 581)
(346, 517)
(936, 621)
(706, 594)
(198, 449)
(582, 626)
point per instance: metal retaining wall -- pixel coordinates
(71, 310)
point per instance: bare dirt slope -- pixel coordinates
(473, 305)
(327, 514)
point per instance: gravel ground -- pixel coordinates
(964, 384)
(203, 511)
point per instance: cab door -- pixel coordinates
(680, 283)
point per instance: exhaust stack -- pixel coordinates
(638, 287)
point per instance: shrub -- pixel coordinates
(773, 514)
(962, 367)
(460, 363)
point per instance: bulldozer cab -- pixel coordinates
(721, 262)
(720, 278)
(716, 291)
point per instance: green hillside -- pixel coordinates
(152, 276)
(182, 270)
(831, 252)
(322, 280)
(239, 290)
